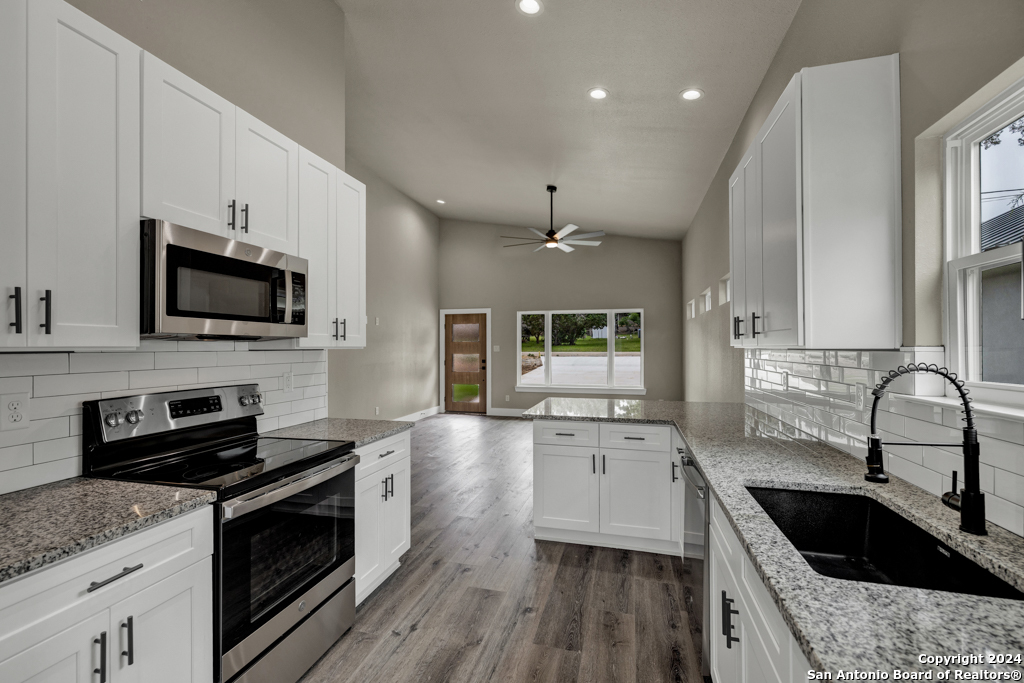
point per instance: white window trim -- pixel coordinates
(610, 387)
(962, 215)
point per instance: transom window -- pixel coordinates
(984, 216)
(597, 352)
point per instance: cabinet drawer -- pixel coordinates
(566, 433)
(379, 454)
(636, 437)
(59, 594)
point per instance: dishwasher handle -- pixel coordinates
(687, 461)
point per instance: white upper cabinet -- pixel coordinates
(82, 181)
(318, 226)
(821, 186)
(350, 248)
(188, 151)
(267, 185)
(13, 230)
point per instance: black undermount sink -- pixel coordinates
(857, 538)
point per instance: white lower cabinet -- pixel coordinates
(750, 642)
(609, 492)
(138, 609)
(383, 511)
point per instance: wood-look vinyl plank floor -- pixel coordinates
(478, 599)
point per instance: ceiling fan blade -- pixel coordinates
(580, 243)
(566, 230)
(521, 239)
(538, 233)
(565, 247)
(588, 235)
(523, 244)
(539, 248)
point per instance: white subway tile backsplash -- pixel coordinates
(999, 428)
(917, 475)
(145, 379)
(295, 418)
(224, 374)
(56, 449)
(26, 364)
(39, 430)
(270, 370)
(1002, 454)
(57, 406)
(15, 385)
(1004, 513)
(206, 346)
(284, 356)
(241, 358)
(185, 359)
(15, 456)
(110, 362)
(36, 475)
(90, 382)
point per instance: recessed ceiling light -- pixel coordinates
(440, 201)
(692, 94)
(529, 7)
(598, 93)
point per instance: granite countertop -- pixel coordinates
(44, 524)
(838, 624)
(341, 429)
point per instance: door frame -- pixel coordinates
(441, 354)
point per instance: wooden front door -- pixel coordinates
(465, 363)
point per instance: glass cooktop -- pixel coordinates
(234, 463)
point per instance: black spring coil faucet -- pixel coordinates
(970, 501)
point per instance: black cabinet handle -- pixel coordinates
(635, 438)
(245, 218)
(102, 671)
(47, 300)
(17, 310)
(95, 585)
(391, 493)
(385, 494)
(384, 455)
(564, 434)
(604, 464)
(231, 221)
(344, 329)
(727, 626)
(335, 328)
(593, 461)
(130, 652)
(754, 317)
(674, 477)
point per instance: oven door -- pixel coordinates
(285, 549)
(204, 286)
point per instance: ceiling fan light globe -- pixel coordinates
(551, 245)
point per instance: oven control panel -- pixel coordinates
(147, 414)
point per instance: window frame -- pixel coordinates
(610, 387)
(962, 241)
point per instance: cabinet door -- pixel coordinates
(70, 656)
(166, 630)
(13, 230)
(83, 180)
(369, 529)
(678, 500)
(267, 181)
(740, 326)
(318, 226)
(566, 487)
(752, 323)
(188, 151)
(351, 255)
(397, 512)
(636, 494)
(726, 656)
(778, 144)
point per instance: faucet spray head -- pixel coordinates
(876, 472)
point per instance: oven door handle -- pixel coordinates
(242, 506)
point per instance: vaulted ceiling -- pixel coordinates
(475, 103)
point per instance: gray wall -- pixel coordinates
(397, 370)
(477, 272)
(283, 62)
(948, 50)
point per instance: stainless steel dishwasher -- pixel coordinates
(696, 482)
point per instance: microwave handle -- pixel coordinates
(288, 297)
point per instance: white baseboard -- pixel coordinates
(506, 412)
(647, 545)
(412, 417)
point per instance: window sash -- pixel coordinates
(610, 386)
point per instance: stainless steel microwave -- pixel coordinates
(198, 286)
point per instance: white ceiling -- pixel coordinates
(472, 102)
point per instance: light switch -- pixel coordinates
(497, 348)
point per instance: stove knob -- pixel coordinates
(257, 398)
(113, 420)
(134, 416)
(244, 400)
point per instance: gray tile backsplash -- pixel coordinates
(51, 447)
(815, 393)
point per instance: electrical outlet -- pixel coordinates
(288, 382)
(14, 412)
(862, 391)
(506, 397)
(497, 348)
(785, 380)
(376, 411)
(376, 321)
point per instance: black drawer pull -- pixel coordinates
(564, 434)
(96, 585)
(385, 494)
(593, 461)
(604, 464)
(674, 477)
(48, 319)
(344, 329)
(102, 671)
(384, 455)
(17, 310)
(634, 438)
(727, 625)
(130, 652)
(231, 222)
(391, 492)
(245, 219)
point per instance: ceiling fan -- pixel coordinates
(556, 240)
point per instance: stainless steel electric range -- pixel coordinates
(284, 555)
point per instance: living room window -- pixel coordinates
(984, 215)
(590, 351)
